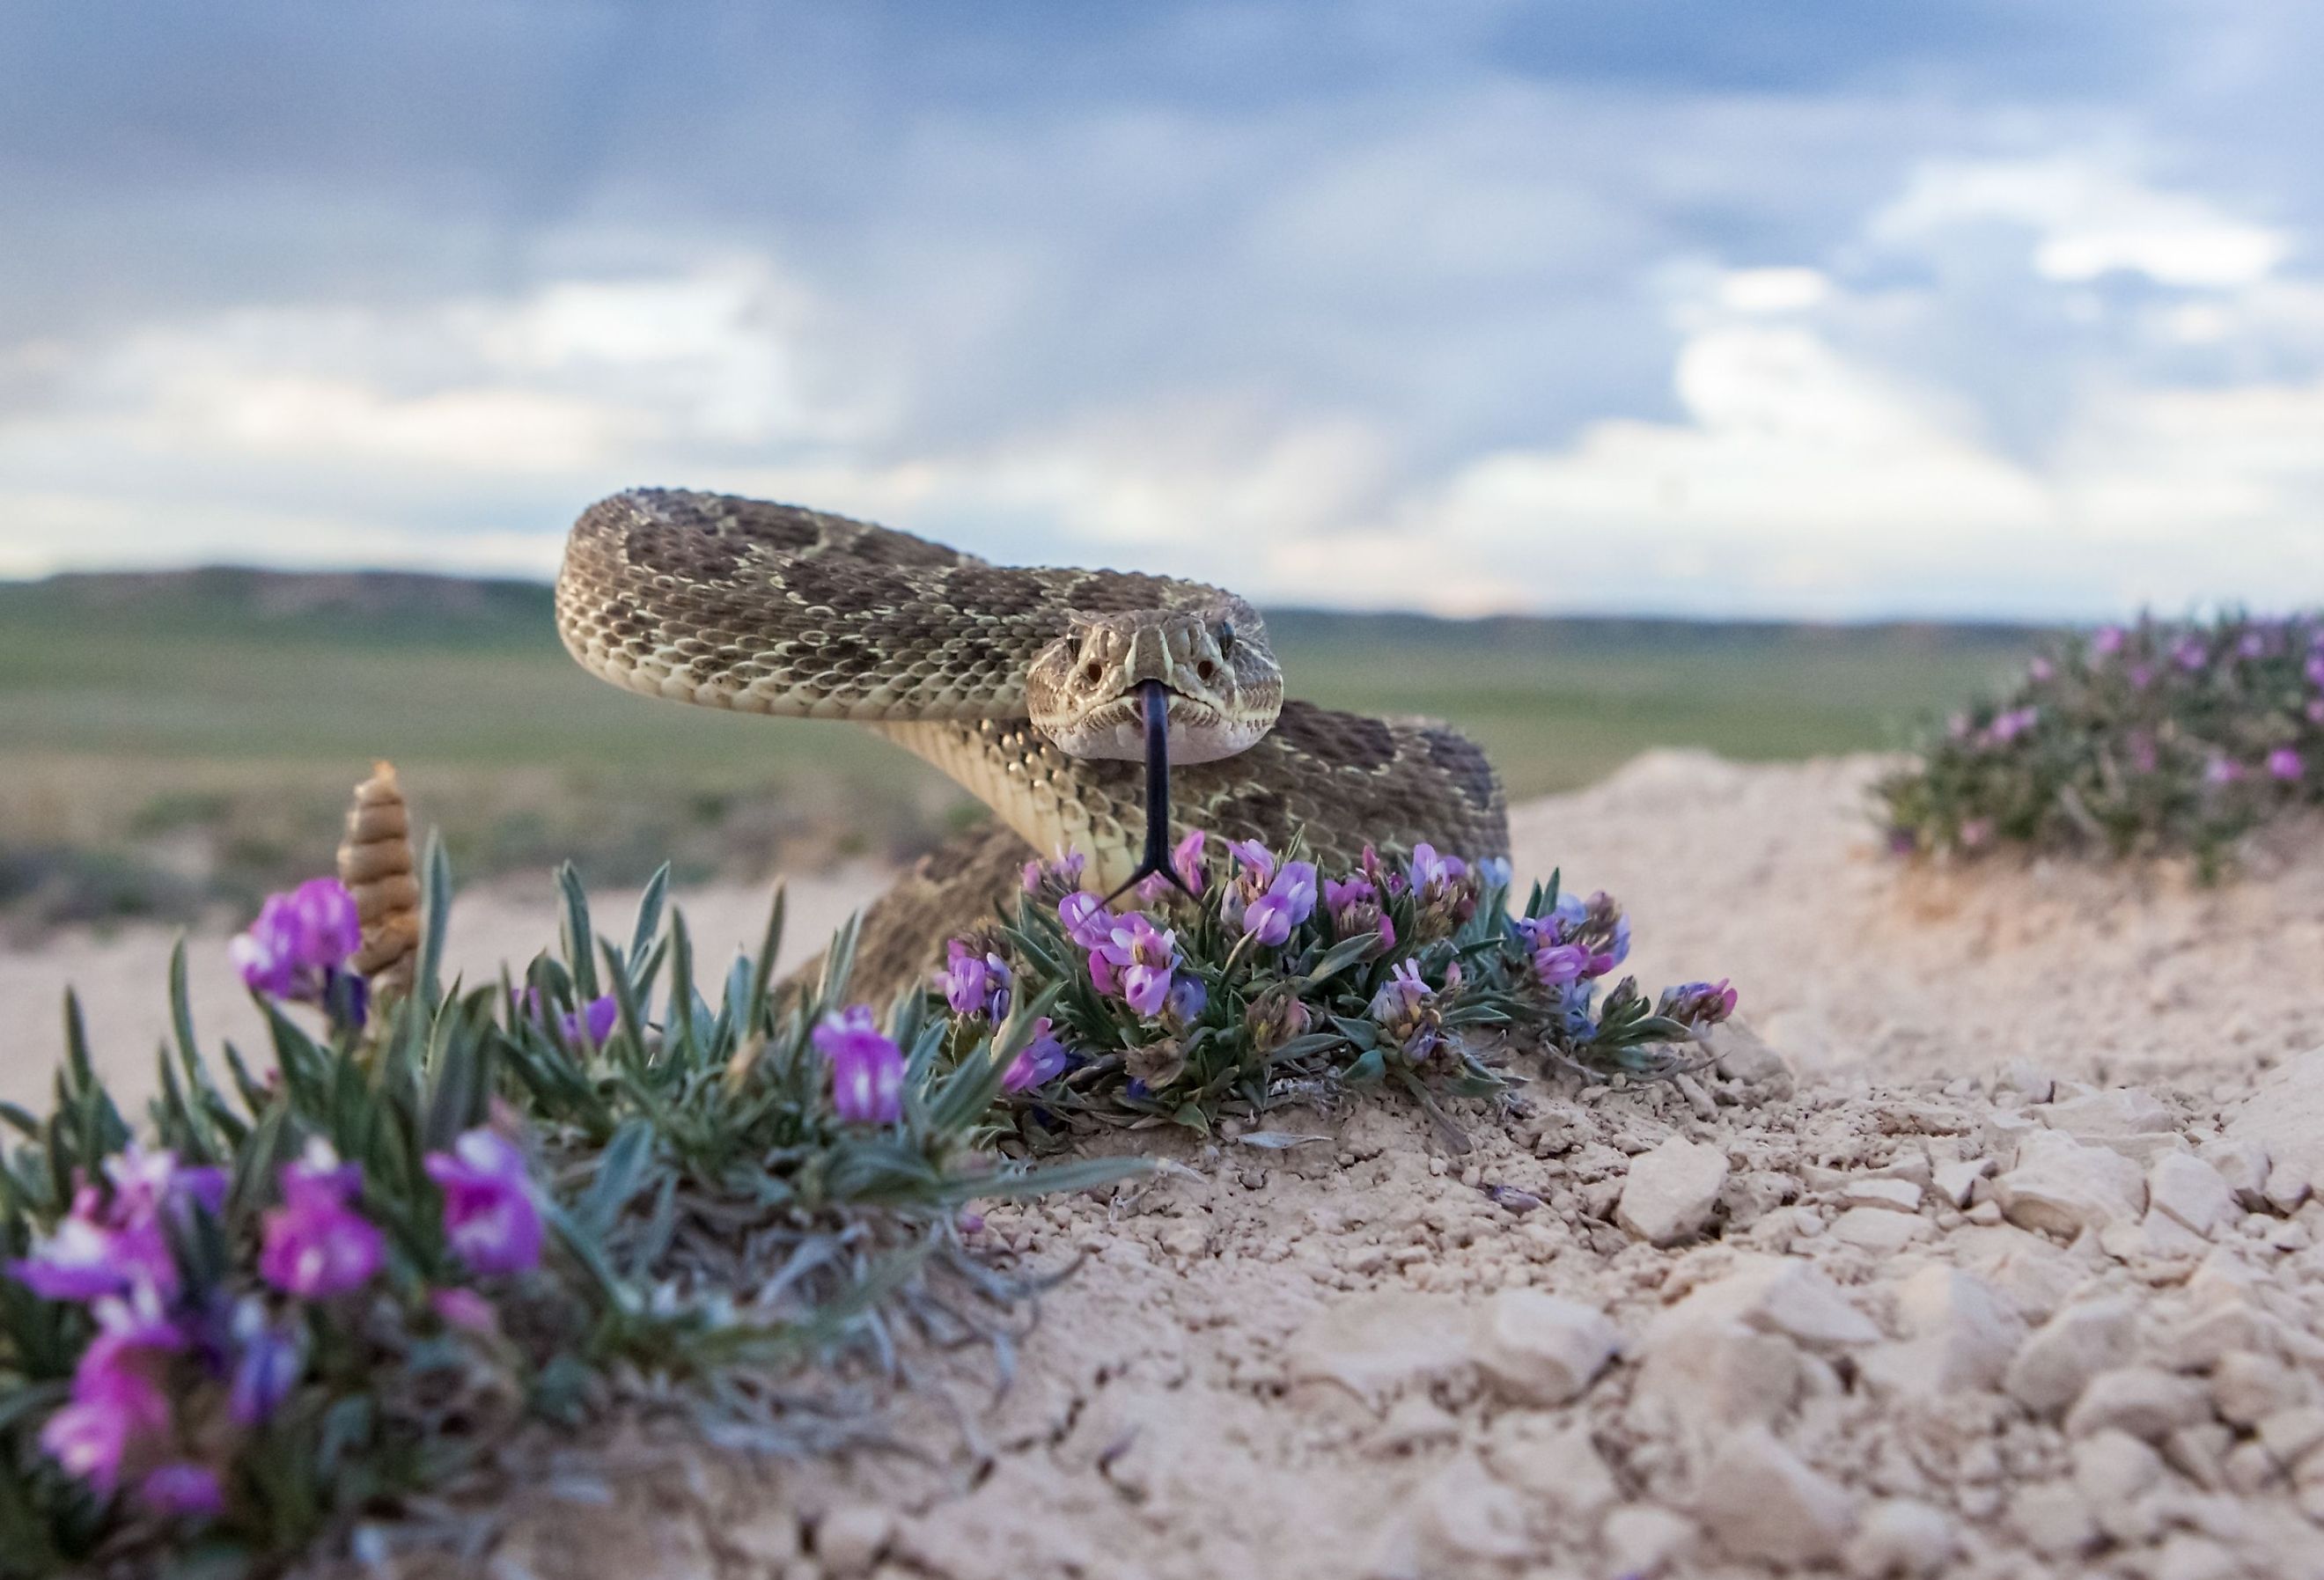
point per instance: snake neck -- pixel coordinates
(1052, 802)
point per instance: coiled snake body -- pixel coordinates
(1021, 684)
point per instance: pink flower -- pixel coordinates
(867, 1069)
(1137, 960)
(465, 1310)
(2041, 671)
(2285, 764)
(315, 1245)
(112, 1247)
(1431, 874)
(2008, 726)
(1699, 1003)
(1355, 906)
(117, 1403)
(2225, 770)
(1086, 919)
(2107, 642)
(1186, 861)
(1289, 899)
(299, 938)
(973, 984)
(183, 1490)
(1042, 1060)
(490, 1217)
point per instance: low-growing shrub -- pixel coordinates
(1264, 981)
(291, 1303)
(2159, 737)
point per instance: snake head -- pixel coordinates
(1224, 688)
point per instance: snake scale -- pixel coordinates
(1019, 683)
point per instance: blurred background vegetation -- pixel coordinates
(178, 743)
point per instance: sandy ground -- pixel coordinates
(1989, 1249)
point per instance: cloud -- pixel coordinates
(2088, 221)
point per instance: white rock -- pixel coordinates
(1782, 1295)
(2062, 1187)
(1376, 1344)
(2144, 1401)
(2053, 1366)
(1465, 1515)
(2284, 1118)
(1719, 1374)
(2291, 1436)
(1955, 1181)
(2054, 1521)
(1742, 1057)
(2242, 1162)
(1669, 1191)
(1959, 1334)
(1646, 1539)
(1540, 1350)
(1757, 1501)
(1900, 1538)
(2113, 1467)
(2126, 1111)
(2249, 1388)
(1560, 1466)
(1898, 1196)
(2191, 1191)
(849, 1540)
(2188, 1556)
(1879, 1230)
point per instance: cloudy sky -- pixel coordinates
(1788, 307)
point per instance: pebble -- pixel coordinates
(1879, 1229)
(1782, 1295)
(2247, 1388)
(1540, 1350)
(2291, 1436)
(1560, 1466)
(1378, 1344)
(2188, 1557)
(2113, 1467)
(2062, 1187)
(1671, 1190)
(1758, 1500)
(2191, 1192)
(2284, 1118)
(1901, 1538)
(1722, 1374)
(1960, 1334)
(849, 1540)
(2144, 1401)
(1645, 1539)
(2054, 1521)
(1898, 1196)
(1957, 1181)
(2242, 1162)
(1465, 1515)
(2052, 1368)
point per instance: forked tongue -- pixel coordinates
(1155, 698)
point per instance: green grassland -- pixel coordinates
(195, 732)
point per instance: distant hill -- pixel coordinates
(409, 605)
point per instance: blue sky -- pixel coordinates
(1828, 309)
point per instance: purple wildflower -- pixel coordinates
(1051, 881)
(1258, 864)
(2042, 671)
(1405, 1009)
(183, 1490)
(2316, 668)
(1289, 899)
(2316, 710)
(1699, 1003)
(113, 1248)
(2191, 653)
(1187, 1000)
(1433, 874)
(867, 1069)
(2253, 644)
(490, 1216)
(1186, 861)
(2008, 726)
(1562, 965)
(1977, 834)
(1042, 1060)
(315, 1245)
(592, 1023)
(2141, 675)
(2285, 764)
(2225, 770)
(974, 983)
(465, 1310)
(298, 938)
(1354, 902)
(1086, 919)
(2107, 642)
(271, 1361)
(1138, 961)
(117, 1401)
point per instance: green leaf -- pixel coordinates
(649, 909)
(763, 968)
(579, 941)
(1347, 952)
(436, 914)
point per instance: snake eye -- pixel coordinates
(1226, 634)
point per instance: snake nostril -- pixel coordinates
(1093, 671)
(1205, 669)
